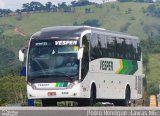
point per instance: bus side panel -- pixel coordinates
(111, 78)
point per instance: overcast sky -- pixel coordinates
(17, 4)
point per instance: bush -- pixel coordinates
(13, 90)
(133, 18)
(93, 22)
(19, 17)
(75, 23)
(113, 6)
(1, 31)
(129, 10)
(125, 27)
(153, 88)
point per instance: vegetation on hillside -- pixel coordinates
(13, 90)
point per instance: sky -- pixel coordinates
(17, 4)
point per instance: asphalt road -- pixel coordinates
(79, 111)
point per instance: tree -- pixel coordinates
(26, 7)
(82, 3)
(36, 6)
(18, 11)
(151, 8)
(5, 12)
(73, 3)
(48, 6)
(62, 5)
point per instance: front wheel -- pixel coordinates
(91, 101)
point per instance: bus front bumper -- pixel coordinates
(74, 92)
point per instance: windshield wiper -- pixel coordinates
(64, 74)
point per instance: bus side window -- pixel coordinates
(119, 48)
(123, 48)
(111, 47)
(85, 59)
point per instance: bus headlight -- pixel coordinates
(32, 85)
(72, 84)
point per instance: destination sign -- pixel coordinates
(66, 42)
(41, 44)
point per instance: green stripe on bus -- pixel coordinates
(57, 84)
(129, 67)
(65, 84)
(123, 71)
(60, 85)
(135, 67)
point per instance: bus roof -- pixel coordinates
(72, 31)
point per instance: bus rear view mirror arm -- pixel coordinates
(80, 53)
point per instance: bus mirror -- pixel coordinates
(21, 55)
(80, 54)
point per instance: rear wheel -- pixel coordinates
(126, 101)
(49, 102)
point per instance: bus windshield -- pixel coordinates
(45, 59)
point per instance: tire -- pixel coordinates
(126, 101)
(82, 102)
(49, 102)
(117, 103)
(91, 101)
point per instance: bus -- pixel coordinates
(83, 64)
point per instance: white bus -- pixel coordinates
(83, 64)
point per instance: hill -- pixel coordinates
(127, 17)
(112, 16)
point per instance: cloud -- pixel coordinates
(2, 4)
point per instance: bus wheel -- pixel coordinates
(92, 99)
(49, 102)
(126, 101)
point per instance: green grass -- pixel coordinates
(154, 68)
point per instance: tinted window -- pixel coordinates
(102, 46)
(85, 59)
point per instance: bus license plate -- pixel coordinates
(51, 93)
